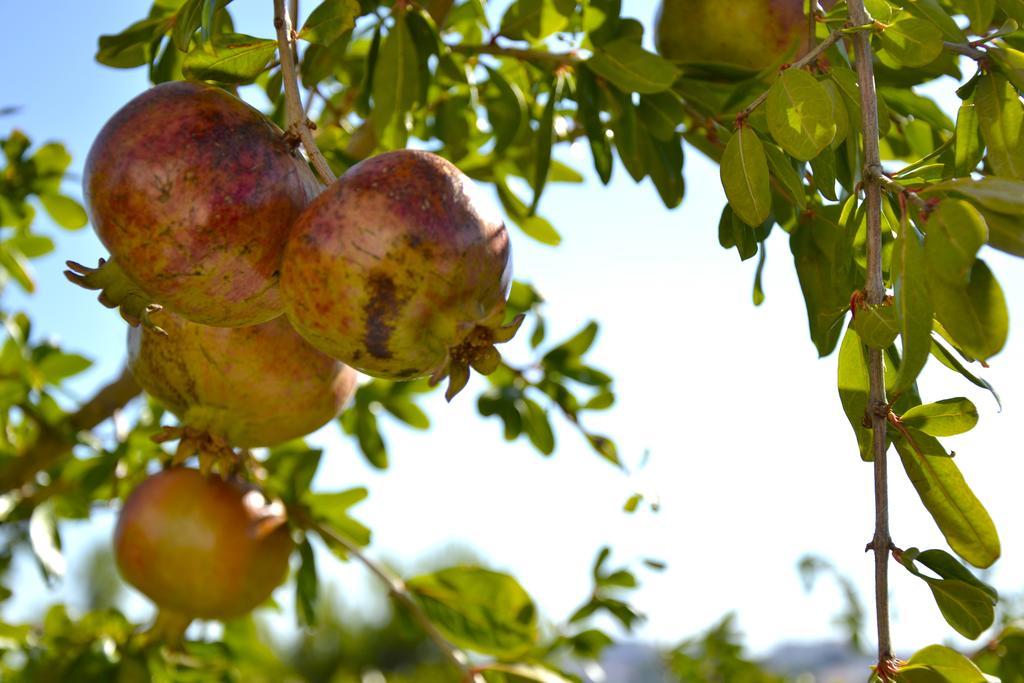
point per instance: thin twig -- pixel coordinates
(398, 591)
(966, 50)
(297, 121)
(811, 55)
(56, 441)
(878, 409)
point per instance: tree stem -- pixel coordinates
(875, 289)
(297, 121)
(398, 591)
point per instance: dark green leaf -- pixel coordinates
(632, 68)
(744, 173)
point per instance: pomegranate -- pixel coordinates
(193, 192)
(245, 386)
(401, 269)
(746, 33)
(200, 546)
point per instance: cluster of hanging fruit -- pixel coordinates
(253, 295)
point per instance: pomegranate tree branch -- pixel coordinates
(878, 409)
(811, 55)
(297, 121)
(966, 50)
(397, 590)
(56, 441)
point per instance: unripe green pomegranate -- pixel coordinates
(201, 546)
(193, 192)
(249, 386)
(401, 269)
(745, 33)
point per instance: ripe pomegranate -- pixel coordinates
(193, 192)
(401, 269)
(201, 546)
(246, 386)
(744, 33)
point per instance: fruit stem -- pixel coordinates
(297, 121)
(811, 55)
(878, 408)
(396, 587)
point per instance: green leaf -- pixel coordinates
(508, 114)
(236, 58)
(813, 243)
(950, 664)
(956, 231)
(44, 539)
(1001, 119)
(909, 42)
(943, 418)
(876, 325)
(913, 306)
(782, 168)
(744, 173)
(132, 47)
(800, 114)
(186, 21)
(1009, 62)
(1005, 232)
(975, 315)
(57, 366)
(1013, 8)
(947, 567)
(332, 508)
(934, 12)
(527, 672)
(664, 161)
(979, 12)
(950, 360)
(31, 246)
(544, 140)
(854, 389)
(966, 608)
(539, 229)
(395, 85)
(631, 68)
(65, 211)
(329, 21)
(1003, 195)
(478, 609)
(969, 148)
(538, 427)
(306, 585)
(960, 516)
(533, 20)
(589, 100)
(661, 113)
(13, 261)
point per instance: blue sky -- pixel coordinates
(749, 451)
